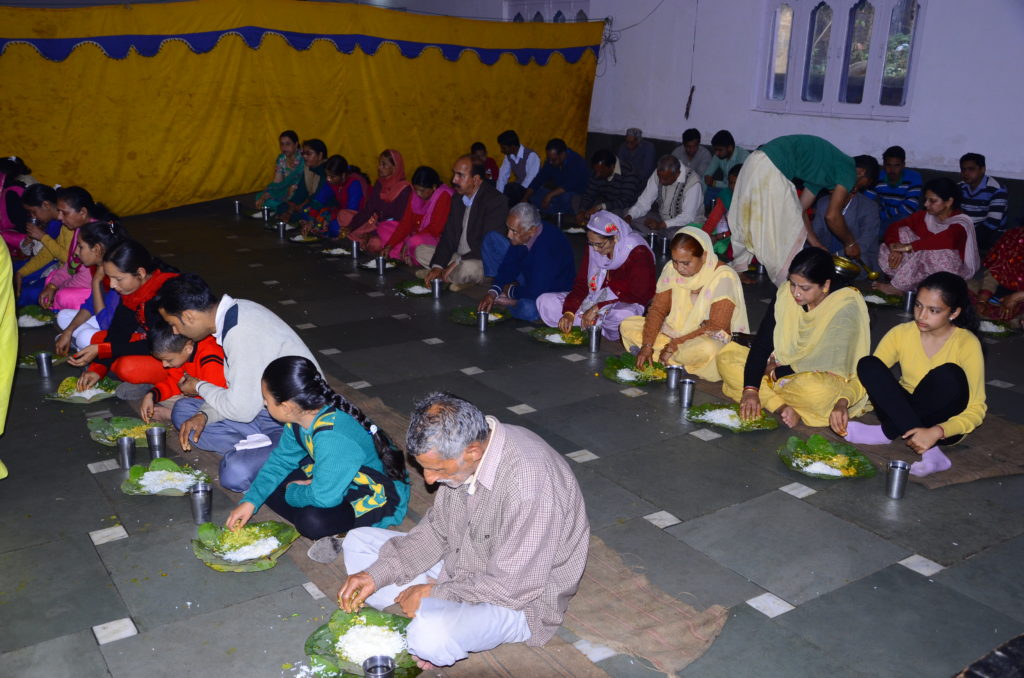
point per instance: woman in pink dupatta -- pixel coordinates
(387, 201)
(937, 238)
(615, 280)
(422, 223)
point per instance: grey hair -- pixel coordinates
(529, 216)
(446, 424)
(669, 163)
(635, 132)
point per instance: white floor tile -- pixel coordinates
(921, 565)
(662, 519)
(375, 294)
(999, 383)
(470, 371)
(770, 605)
(101, 466)
(102, 414)
(522, 408)
(593, 651)
(287, 302)
(352, 275)
(329, 351)
(305, 326)
(271, 282)
(574, 357)
(314, 591)
(255, 264)
(582, 456)
(114, 630)
(244, 249)
(633, 392)
(433, 341)
(401, 316)
(705, 434)
(798, 490)
(108, 534)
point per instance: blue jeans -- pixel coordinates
(492, 252)
(525, 309)
(238, 468)
(560, 203)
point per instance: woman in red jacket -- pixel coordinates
(615, 280)
(123, 349)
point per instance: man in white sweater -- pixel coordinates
(252, 336)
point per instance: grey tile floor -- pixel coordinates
(730, 535)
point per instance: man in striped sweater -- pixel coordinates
(984, 199)
(898, 191)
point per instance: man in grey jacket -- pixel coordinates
(252, 336)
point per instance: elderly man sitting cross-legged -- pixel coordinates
(498, 556)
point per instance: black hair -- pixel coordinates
(734, 171)
(77, 198)
(130, 256)
(723, 138)
(817, 266)
(557, 145)
(477, 146)
(296, 379)
(895, 152)
(163, 340)
(108, 234)
(945, 188)
(869, 164)
(186, 292)
(508, 138)
(692, 134)
(687, 242)
(977, 158)
(953, 291)
(290, 134)
(36, 194)
(603, 157)
(316, 145)
(13, 167)
(427, 177)
(336, 165)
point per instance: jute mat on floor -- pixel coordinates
(993, 450)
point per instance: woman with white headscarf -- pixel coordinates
(615, 280)
(698, 305)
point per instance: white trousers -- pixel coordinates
(442, 632)
(82, 335)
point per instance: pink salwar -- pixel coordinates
(72, 288)
(919, 264)
(405, 250)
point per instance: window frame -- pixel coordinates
(830, 105)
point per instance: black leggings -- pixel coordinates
(942, 394)
(315, 522)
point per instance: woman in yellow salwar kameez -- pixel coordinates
(8, 341)
(803, 361)
(698, 304)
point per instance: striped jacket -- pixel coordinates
(986, 205)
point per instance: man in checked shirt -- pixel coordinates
(497, 557)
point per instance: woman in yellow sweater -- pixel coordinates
(940, 395)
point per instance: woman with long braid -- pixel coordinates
(333, 469)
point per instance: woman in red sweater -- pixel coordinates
(123, 349)
(937, 238)
(615, 280)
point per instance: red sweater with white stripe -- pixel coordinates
(206, 364)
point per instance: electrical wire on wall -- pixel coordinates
(612, 36)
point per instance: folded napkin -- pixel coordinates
(254, 441)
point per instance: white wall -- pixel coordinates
(967, 92)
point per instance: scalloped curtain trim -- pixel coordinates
(118, 46)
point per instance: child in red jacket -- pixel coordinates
(179, 356)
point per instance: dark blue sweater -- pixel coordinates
(548, 266)
(572, 175)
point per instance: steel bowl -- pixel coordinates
(845, 268)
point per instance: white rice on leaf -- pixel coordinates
(628, 375)
(417, 289)
(257, 549)
(29, 321)
(87, 393)
(555, 339)
(723, 417)
(821, 468)
(363, 641)
(875, 299)
(990, 327)
(337, 250)
(157, 481)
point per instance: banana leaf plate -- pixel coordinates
(34, 315)
(466, 315)
(995, 328)
(336, 252)
(209, 547)
(29, 360)
(66, 392)
(622, 369)
(705, 414)
(413, 288)
(552, 336)
(371, 265)
(325, 661)
(841, 455)
(303, 239)
(876, 298)
(107, 431)
(133, 483)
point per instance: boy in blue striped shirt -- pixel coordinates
(899, 191)
(984, 199)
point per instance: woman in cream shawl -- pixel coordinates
(698, 304)
(803, 361)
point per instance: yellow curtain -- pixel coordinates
(145, 133)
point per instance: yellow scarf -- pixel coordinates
(832, 337)
(692, 297)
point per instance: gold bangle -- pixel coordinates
(570, 314)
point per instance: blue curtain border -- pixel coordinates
(119, 46)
